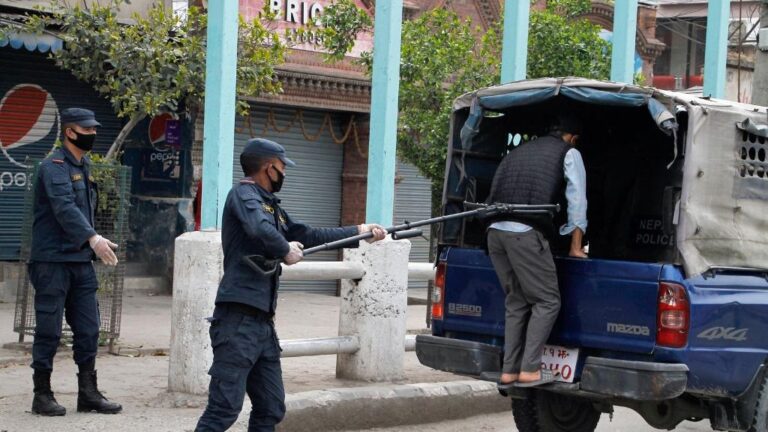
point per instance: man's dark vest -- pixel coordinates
(532, 173)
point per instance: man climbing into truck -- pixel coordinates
(541, 171)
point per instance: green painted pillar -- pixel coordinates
(716, 54)
(514, 54)
(624, 31)
(384, 96)
(220, 98)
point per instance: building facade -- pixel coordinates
(322, 117)
(682, 27)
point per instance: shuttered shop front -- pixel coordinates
(33, 92)
(312, 189)
(412, 203)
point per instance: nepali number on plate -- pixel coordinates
(562, 360)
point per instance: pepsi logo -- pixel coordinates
(158, 127)
(28, 114)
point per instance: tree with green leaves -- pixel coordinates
(444, 57)
(157, 63)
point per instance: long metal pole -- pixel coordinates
(220, 94)
(384, 99)
(516, 208)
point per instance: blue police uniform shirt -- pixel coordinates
(65, 197)
(254, 224)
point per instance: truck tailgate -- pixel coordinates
(606, 305)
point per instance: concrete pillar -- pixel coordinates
(514, 53)
(760, 77)
(197, 270)
(624, 34)
(716, 54)
(385, 89)
(374, 309)
(219, 117)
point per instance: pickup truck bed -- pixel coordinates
(610, 312)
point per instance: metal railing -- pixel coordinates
(335, 270)
(372, 336)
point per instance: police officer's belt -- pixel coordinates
(246, 310)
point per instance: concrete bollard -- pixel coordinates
(374, 309)
(197, 270)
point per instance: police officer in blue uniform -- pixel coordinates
(64, 244)
(246, 352)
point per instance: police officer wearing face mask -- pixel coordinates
(246, 353)
(64, 244)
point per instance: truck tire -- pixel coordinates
(760, 419)
(525, 415)
(551, 412)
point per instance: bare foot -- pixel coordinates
(507, 378)
(529, 376)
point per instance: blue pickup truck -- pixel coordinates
(669, 314)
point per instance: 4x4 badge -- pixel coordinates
(728, 333)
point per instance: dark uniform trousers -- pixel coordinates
(246, 359)
(61, 287)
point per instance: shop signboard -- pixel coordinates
(293, 15)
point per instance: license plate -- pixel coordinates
(562, 360)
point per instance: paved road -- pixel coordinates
(624, 420)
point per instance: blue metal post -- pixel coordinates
(514, 54)
(383, 135)
(220, 94)
(716, 54)
(624, 31)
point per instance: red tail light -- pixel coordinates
(673, 317)
(438, 294)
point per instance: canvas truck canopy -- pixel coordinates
(720, 215)
(723, 218)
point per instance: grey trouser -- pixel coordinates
(526, 270)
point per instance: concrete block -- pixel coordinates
(143, 285)
(198, 268)
(373, 308)
(9, 281)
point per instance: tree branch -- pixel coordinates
(118, 144)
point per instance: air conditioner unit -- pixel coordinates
(762, 39)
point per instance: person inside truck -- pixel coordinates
(546, 170)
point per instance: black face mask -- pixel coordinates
(277, 184)
(83, 141)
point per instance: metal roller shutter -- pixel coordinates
(32, 92)
(312, 190)
(412, 203)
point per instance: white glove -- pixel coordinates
(295, 253)
(379, 232)
(103, 249)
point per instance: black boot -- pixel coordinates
(89, 398)
(44, 403)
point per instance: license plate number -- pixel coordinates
(562, 360)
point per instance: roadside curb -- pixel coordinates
(379, 406)
(15, 361)
(388, 405)
(119, 350)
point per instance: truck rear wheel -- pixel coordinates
(760, 419)
(552, 412)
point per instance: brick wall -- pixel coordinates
(354, 177)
